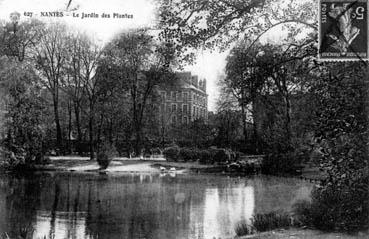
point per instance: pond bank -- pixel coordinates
(297, 233)
(148, 165)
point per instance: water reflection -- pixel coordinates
(61, 205)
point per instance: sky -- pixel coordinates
(209, 65)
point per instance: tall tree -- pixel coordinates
(141, 64)
(73, 82)
(243, 79)
(50, 56)
(85, 63)
(18, 38)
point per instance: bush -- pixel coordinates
(285, 163)
(171, 153)
(302, 213)
(105, 155)
(270, 221)
(242, 229)
(205, 157)
(221, 155)
(187, 154)
(342, 208)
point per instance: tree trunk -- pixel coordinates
(244, 123)
(78, 126)
(138, 139)
(91, 132)
(78, 123)
(256, 137)
(57, 123)
(288, 118)
(69, 126)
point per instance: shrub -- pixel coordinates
(171, 153)
(342, 208)
(242, 229)
(205, 157)
(188, 154)
(303, 213)
(13, 158)
(270, 221)
(105, 155)
(156, 150)
(221, 155)
(280, 164)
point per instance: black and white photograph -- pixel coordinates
(184, 119)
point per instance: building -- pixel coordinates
(185, 101)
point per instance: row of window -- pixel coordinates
(184, 120)
(178, 96)
(196, 111)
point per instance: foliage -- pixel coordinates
(208, 24)
(341, 202)
(277, 164)
(187, 154)
(206, 157)
(106, 154)
(172, 153)
(25, 134)
(242, 229)
(270, 221)
(139, 64)
(196, 133)
(222, 155)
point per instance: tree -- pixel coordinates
(244, 80)
(140, 64)
(50, 57)
(212, 23)
(24, 117)
(18, 39)
(73, 82)
(229, 119)
(341, 133)
(89, 57)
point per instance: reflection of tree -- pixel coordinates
(21, 196)
(140, 206)
(54, 210)
(276, 193)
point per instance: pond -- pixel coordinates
(71, 205)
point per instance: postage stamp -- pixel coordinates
(343, 30)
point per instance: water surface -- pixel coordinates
(91, 206)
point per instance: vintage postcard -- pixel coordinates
(184, 119)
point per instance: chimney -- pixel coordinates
(195, 81)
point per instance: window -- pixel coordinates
(185, 96)
(163, 95)
(184, 109)
(185, 120)
(174, 107)
(174, 119)
(179, 96)
(173, 95)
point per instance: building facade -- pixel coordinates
(184, 102)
